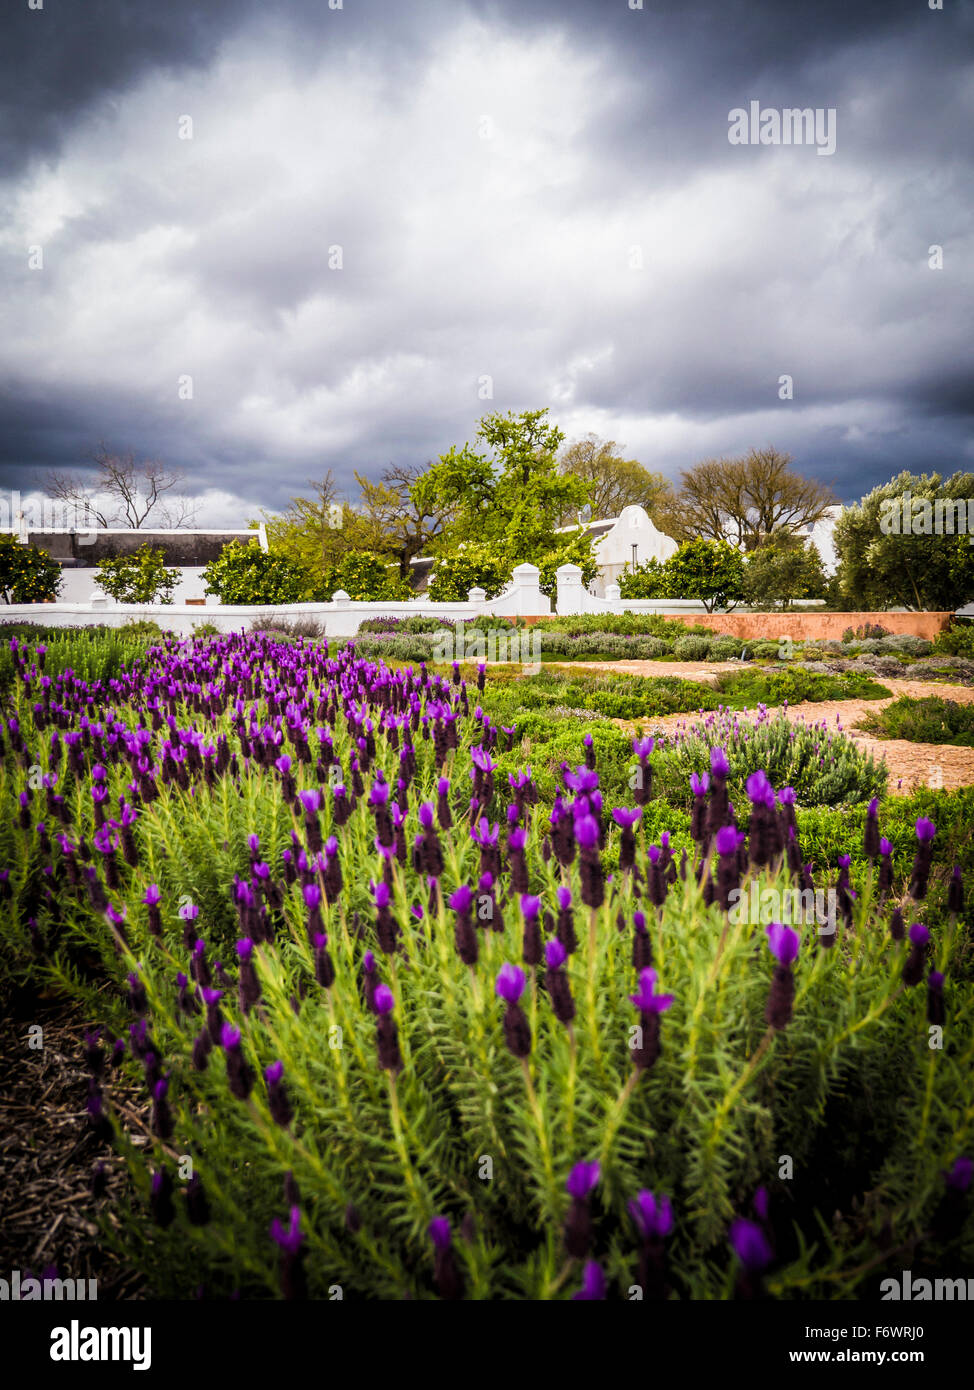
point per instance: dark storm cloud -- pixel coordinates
(464, 258)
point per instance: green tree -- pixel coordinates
(314, 531)
(469, 566)
(711, 571)
(648, 580)
(894, 546)
(574, 549)
(402, 523)
(512, 498)
(246, 574)
(776, 575)
(27, 575)
(141, 577)
(365, 575)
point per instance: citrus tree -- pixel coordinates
(27, 575)
(141, 577)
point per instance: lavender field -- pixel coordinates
(381, 999)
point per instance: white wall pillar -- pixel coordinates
(568, 598)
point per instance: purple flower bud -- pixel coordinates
(925, 830)
(719, 766)
(383, 1001)
(727, 840)
(440, 1232)
(750, 1245)
(647, 1001)
(654, 1220)
(587, 832)
(593, 1284)
(582, 1179)
(530, 907)
(959, 1177)
(555, 956)
(510, 983)
(783, 941)
(461, 900)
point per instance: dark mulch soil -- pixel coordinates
(48, 1154)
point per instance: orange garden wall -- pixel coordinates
(813, 626)
(805, 626)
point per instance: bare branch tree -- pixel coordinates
(126, 492)
(614, 482)
(749, 500)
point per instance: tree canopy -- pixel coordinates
(893, 549)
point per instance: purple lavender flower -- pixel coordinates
(593, 1283)
(517, 1030)
(654, 1222)
(919, 936)
(719, 766)
(465, 933)
(565, 926)
(582, 1180)
(627, 820)
(387, 1036)
(446, 1273)
(291, 1243)
(240, 1076)
(936, 1013)
(783, 942)
(925, 832)
(578, 1224)
(160, 1198)
(750, 1245)
(955, 892)
(277, 1096)
(654, 1219)
(647, 1000)
(510, 983)
(651, 1006)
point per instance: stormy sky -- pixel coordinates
(259, 241)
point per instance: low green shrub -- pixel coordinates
(929, 719)
(726, 648)
(956, 640)
(745, 689)
(769, 649)
(596, 645)
(626, 624)
(614, 697)
(692, 648)
(906, 642)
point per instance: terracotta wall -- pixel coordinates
(812, 626)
